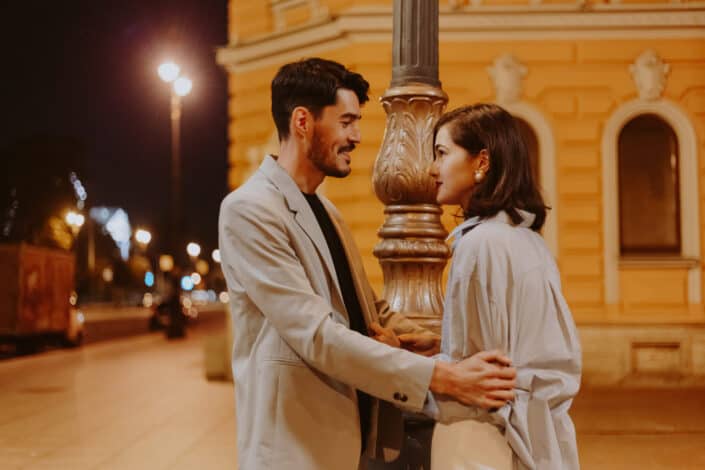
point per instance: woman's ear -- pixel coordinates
(483, 161)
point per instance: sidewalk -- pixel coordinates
(104, 321)
(143, 403)
(135, 403)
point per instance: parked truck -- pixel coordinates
(37, 297)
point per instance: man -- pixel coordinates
(303, 366)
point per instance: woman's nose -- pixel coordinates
(433, 170)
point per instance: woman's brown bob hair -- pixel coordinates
(509, 183)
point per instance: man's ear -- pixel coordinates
(301, 121)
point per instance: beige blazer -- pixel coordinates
(296, 363)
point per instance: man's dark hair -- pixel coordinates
(509, 183)
(313, 84)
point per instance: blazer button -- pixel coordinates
(397, 396)
(404, 398)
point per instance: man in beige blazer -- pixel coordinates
(305, 370)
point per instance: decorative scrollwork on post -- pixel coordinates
(412, 251)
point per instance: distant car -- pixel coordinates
(161, 315)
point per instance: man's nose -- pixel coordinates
(355, 134)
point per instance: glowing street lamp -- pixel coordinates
(216, 255)
(182, 86)
(193, 249)
(74, 220)
(169, 72)
(143, 237)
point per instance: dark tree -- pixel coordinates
(37, 188)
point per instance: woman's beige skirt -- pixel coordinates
(469, 445)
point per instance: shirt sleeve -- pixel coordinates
(546, 352)
(465, 294)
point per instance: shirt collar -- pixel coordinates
(502, 217)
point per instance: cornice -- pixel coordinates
(536, 22)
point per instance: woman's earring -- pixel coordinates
(478, 175)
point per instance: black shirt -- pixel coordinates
(347, 289)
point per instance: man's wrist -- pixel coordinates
(441, 378)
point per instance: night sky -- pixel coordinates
(86, 69)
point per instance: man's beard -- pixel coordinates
(324, 160)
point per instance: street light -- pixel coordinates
(143, 237)
(168, 71)
(181, 86)
(193, 249)
(74, 220)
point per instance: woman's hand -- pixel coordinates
(384, 335)
(426, 344)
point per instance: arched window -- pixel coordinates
(532, 145)
(649, 202)
(538, 137)
(684, 146)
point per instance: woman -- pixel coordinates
(503, 293)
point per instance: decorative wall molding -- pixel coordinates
(688, 162)
(507, 75)
(279, 8)
(649, 74)
(511, 22)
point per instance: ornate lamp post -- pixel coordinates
(412, 251)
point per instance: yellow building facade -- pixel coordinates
(576, 73)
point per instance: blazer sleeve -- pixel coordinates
(257, 251)
(388, 318)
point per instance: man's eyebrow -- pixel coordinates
(350, 116)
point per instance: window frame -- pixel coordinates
(683, 127)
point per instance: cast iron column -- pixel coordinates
(412, 251)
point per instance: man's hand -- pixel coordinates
(426, 344)
(384, 335)
(485, 380)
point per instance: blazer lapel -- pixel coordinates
(303, 214)
(362, 287)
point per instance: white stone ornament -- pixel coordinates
(279, 8)
(507, 74)
(649, 74)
